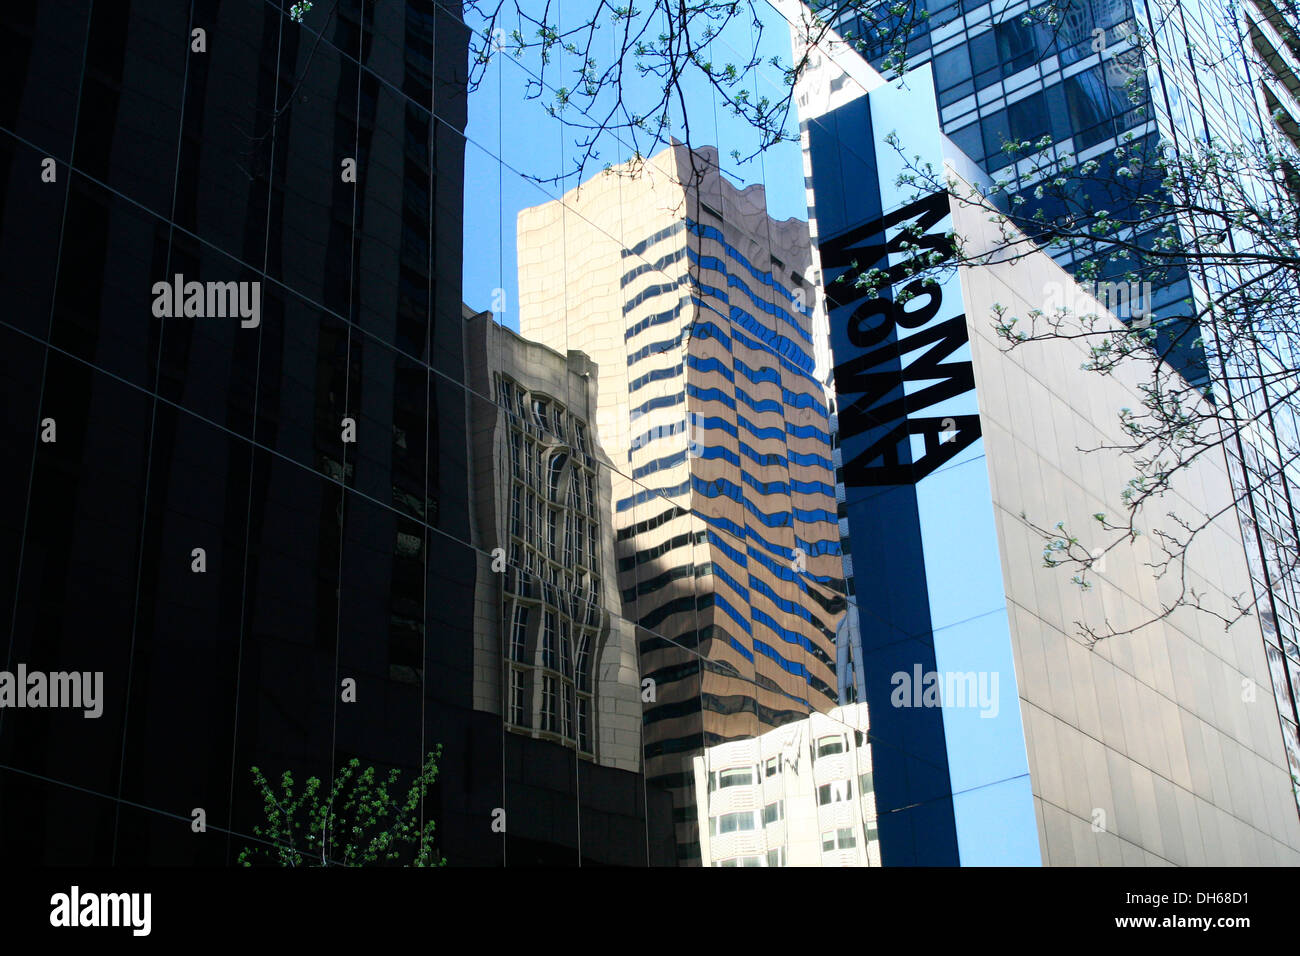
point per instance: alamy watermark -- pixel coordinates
(22, 688)
(75, 909)
(208, 300)
(947, 689)
(1133, 299)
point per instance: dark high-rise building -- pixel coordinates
(228, 504)
(239, 384)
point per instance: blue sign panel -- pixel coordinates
(951, 771)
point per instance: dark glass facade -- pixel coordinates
(214, 141)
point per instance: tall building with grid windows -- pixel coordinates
(1022, 72)
(696, 307)
(324, 559)
(1028, 420)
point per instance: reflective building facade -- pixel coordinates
(203, 526)
(1073, 73)
(1038, 749)
(581, 476)
(723, 500)
(266, 534)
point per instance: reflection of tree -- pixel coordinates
(254, 139)
(1079, 18)
(630, 77)
(1227, 215)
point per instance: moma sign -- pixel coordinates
(903, 375)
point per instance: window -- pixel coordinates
(1017, 45)
(584, 723)
(772, 767)
(834, 792)
(952, 75)
(548, 640)
(735, 778)
(518, 713)
(1093, 98)
(566, 728)
(566, 649)
(519, 634)
(776, 857)
(516, 444)
(830, 745)
(736, 822)
(554, 473)
(590, 601)
(843, 837)
(774, 812)
(1028, 119)
(970, 142)
(865, 783)
(984, 56)
(996, 129)
(551, 519)
(550, 703)
(583, 666)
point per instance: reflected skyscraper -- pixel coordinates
(723, 493)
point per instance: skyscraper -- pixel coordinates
(947, 441)
(1104, 80)
(696, 307)
(797, 795)
(231, 516)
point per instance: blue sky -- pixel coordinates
(511, 138)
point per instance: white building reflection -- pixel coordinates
(799, 795)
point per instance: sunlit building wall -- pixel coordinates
(1222, 72)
